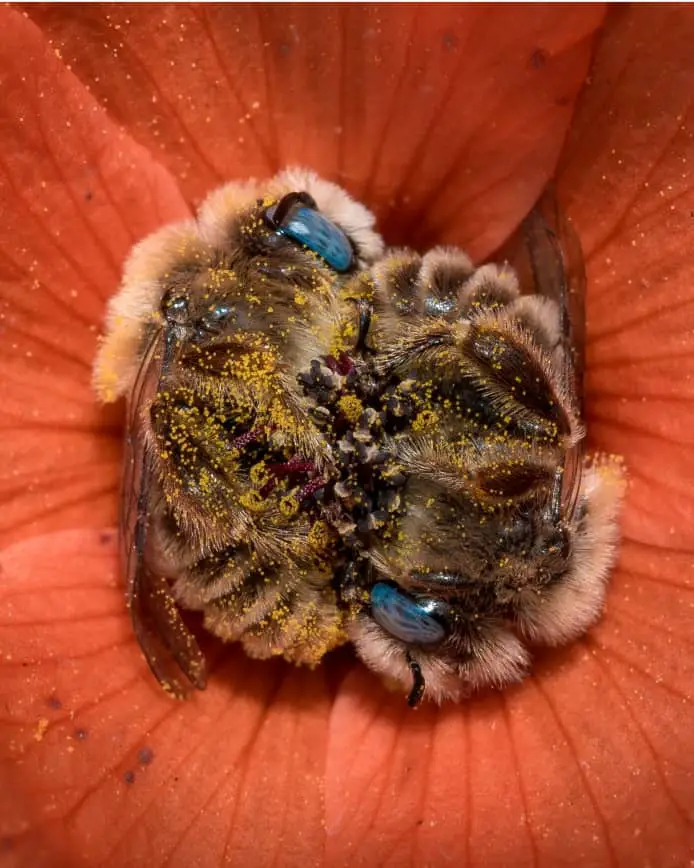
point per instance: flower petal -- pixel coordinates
(99, 766)
(76, 193)
(630, 191)
(425, 112)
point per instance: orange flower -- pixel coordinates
(448, 120)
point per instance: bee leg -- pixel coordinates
(365, 314)
(418, 683)
(555, 504)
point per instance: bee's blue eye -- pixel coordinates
(406, 618)
(307, 226)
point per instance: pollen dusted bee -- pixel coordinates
(323, 445)
(508, 530)
(224, 469)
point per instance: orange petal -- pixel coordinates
(447, 119)
(76, 192)
(630, 192)
(99, 766)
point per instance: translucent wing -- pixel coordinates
(547, 255)
(555, 257)
(166, 642)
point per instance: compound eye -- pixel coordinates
(416, 622)
(295, 216)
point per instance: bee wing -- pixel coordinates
(165, 640)
(547, 256)
(558, 272)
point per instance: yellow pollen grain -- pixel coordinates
(41, 727)
(259, 475)
(318, 537)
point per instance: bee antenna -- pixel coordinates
(418, 682)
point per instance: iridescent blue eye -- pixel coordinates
(406, 618)
(302, 223)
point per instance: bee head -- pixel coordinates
(418, 622)
(433, 641)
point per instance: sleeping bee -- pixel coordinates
(224, 469)
(507, 529)
(324, 445)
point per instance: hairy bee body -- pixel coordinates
(223, 465)
(326, 444)
(508, 530)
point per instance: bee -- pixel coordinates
(507, 528)
(224, 469)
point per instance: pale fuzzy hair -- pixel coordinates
(568, 608)
(499, 660)
(542, 315)
(444, 258)
(222, 205)
(395, 258)
(499, 276)
(135, 307)
(563, 613)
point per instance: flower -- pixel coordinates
(448, 120)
